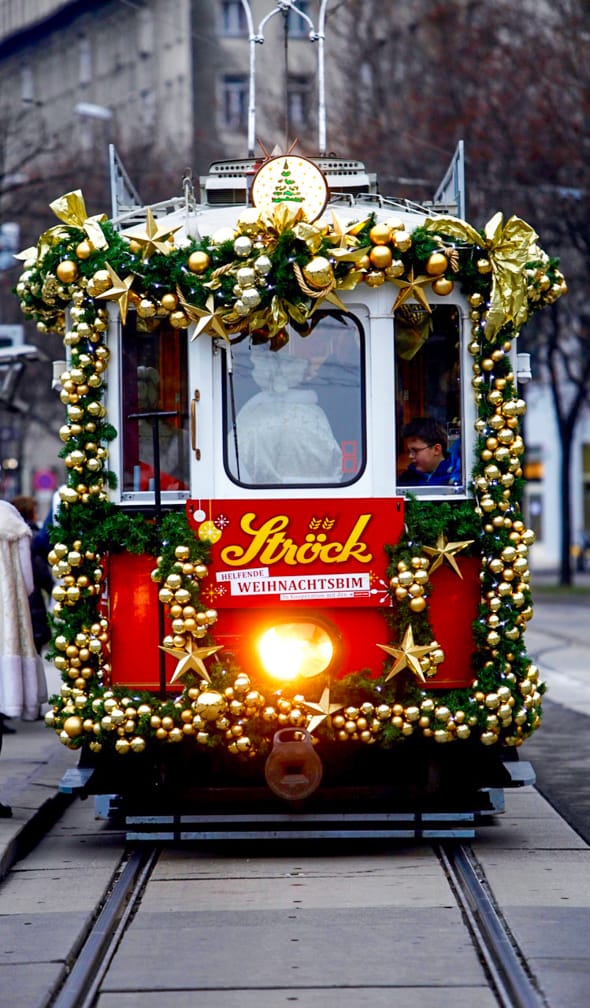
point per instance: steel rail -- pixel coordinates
(511, 982)
(81, 985)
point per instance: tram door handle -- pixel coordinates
(195, 399)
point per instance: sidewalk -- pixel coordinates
(32, 763)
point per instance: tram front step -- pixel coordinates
(315, 826)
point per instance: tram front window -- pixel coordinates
(295, 416)
(428, 396)
(154, 381)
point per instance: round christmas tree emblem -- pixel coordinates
(293, 180)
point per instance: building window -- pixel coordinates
(533, 464)
(235, 102)
(298, 27)
(534, 510)
(27, 87)
(85, 51)
(233, 18)
(298, 100)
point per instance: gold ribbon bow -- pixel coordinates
(509, 247)
(71, 209)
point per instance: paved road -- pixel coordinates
(558, 639)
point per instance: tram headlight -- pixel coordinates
(296, 648)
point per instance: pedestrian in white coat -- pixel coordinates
(22, 678)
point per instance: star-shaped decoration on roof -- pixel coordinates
(153, 237)
(412, 289)
(191, 659)
(209, 319)
(407, 655)
(323, 710)
(341, 237)
(446, 551)
(119, 291)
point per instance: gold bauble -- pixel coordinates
(436, 264)
(210, 705)
(178, 320)
(402, 240)
(380, 234)
(73, 726)
(146, 308)
(381, 256)
(318, 272)
(84, 250)
(483, 266)
(375, 278)
(442, 286)
(67, 271)
(169, 301)
(396, 269)
(198, 262)
(102, 280)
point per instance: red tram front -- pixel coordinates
(291, 553)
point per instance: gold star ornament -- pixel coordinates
(446, 551)
(209, 319)
(322, 710)
(153, 237)
(407, 655)
(412, 289)
(119, 292)
(190, 659)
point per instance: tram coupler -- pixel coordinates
(293, 769)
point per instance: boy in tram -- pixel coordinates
(431, 463)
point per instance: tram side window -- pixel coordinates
(154, 369)
(428, 396)
(295, 416)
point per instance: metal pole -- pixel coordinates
(321, 38)
(252, 40)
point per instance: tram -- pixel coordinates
(291, 560)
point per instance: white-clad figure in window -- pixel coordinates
(283, 435)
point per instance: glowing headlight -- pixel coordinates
(299, 648)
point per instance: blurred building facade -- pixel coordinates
(168, 82)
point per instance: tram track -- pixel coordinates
(81, 986)
(506, 970)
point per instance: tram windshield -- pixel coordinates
(428, 397)
(154, 368)
(295, 416)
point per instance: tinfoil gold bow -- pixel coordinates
(71, 209)
(509, 247)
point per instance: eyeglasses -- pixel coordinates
(416, 451)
